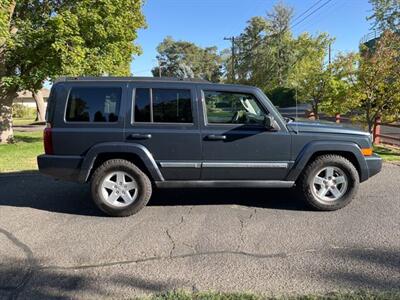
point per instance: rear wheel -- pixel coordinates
(329, 183)
(119, 188)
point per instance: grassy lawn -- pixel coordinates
(388, 153)
(21, 156)
(362, 295)
(23, 121)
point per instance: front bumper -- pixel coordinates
(374, 165)
(60, 166)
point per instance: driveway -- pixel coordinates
(54, 243)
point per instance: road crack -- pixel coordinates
(31, 262)
(281, 255)
(243, 226)
(172, 243)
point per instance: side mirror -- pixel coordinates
(269, 122)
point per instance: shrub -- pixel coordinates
(21, 111)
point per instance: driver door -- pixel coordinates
(235, 143)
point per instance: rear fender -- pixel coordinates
(142, 152)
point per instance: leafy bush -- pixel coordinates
(21, 111)
(282, 97)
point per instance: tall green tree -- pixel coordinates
(184, 59)
(49, 38)
(386, 15)
(341, 96)
(264, 50)
(377, 91)
(310, 75)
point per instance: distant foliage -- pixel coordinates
(21, 111)
(183, 59)
(282, 97)
(386, 15)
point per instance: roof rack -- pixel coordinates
(133, 78)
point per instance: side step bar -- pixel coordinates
(224, 184)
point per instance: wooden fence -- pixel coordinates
(383, 133)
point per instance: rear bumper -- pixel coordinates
(60, 166)
(374, 164)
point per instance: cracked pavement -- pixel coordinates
(54, 242)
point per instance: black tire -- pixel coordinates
(143, 183)
(306, 185)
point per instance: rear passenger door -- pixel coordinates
(163, 117)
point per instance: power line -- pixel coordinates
(311, 13)
(307, 10)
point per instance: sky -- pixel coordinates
(207, 22)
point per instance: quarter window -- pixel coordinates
(93, 104)
(233, 108)
(142, 105)
(163, 106)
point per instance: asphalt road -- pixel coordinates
(54, 243)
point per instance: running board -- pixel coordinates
(224, 184)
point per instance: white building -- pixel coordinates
(25, 98)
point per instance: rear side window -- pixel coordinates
(51, 102)
(163, 106)
(93, 104)
(142, 105)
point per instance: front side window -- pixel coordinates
(163, 105)
(93, 104)
(233, 108)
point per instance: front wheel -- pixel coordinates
(329, 183)
(119, 188)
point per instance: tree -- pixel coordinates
(310, 75)
(49, 38)
(6, 94)
(265, 51)
(377, 91)
(184, 59)
(340, 95)
(386, 15)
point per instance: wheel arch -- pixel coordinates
(135, 153)
(311, 151)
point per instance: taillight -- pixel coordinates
(48, 140)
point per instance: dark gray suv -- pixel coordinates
(128, 135)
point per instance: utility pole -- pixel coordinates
(232, 39)
(159, 68)
(330, 53)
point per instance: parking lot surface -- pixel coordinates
(54, 242)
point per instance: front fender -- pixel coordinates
(137, 149)
(328, 147)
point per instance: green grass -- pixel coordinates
(21, 156)
(23, 121)
(361, 295)
(387, 153)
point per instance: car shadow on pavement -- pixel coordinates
(44, 193)
(285, 199)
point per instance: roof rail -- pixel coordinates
(132, 78)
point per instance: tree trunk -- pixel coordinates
(6, 95)
(40, 107)
(6, 130)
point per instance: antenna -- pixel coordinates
(297, 112)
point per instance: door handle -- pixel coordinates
(214, 137)
(139, 136)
